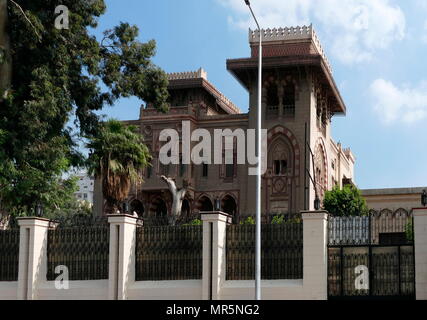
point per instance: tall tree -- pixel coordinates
(57, 74)
(5, 66)
(117, 155)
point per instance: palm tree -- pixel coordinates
(117, 155)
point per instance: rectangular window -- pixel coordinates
(284, 166)
(229, 170)
(277, 167)
(164, 169)
(182, 167)
(204, 170)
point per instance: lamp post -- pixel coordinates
(258, 176)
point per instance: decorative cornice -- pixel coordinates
(290, 34)
(188, 75)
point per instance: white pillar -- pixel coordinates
(32, 256)
(420, 243)
(121, 272)
(214, 258)
(315, 254)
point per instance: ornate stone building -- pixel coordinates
(299, 100)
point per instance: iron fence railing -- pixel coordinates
(268, 218)
(378, 227)
(83, 250)
(153, 221)
(390, 271)
(169, 253)
(281, 256)
(9, 255)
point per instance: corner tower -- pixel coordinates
(299, 99)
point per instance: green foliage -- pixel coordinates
(281, 219)
(409, 231)
(57, 75)
(248, 221)
(195, 222)
(347, 201)
(118, 153)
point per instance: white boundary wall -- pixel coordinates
(121, 284)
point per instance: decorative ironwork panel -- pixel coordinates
(348, 230)
(84, 251)
(377, 228)
(169, 253)
(371, 271)
(281, 256)
(389, 222)
(9, 254)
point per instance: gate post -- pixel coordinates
(315, 254)
(420, 243)
(214, 254)
(121, 272)
(32, 256)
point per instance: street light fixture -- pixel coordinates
(258, 176)
(317, 203)
(424, 198)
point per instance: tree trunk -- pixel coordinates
(6, 66)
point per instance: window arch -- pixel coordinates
(137, 206)
(204, 204)
(229, 205)
(280, 157)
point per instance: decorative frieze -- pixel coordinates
(188, 75)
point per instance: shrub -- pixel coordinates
(347, 201)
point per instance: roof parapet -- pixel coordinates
(290, 34)
(201, 73)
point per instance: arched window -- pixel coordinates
(229, 205)
(280, 167)
(205, 204)
(160, 208)
(280, 157)
(185, 208)
(289, 99)
(138, 207)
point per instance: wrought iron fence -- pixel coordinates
(77, 220)
(269, 218)
(281, 256)
(169, 253)
(390, 271)
(378, 227)
(83, 250)
(9, 255)
(171, 221)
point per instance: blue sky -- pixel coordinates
(377, 49)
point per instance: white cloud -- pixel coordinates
(355, 29)
(393, 104)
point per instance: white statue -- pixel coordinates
(177, 197)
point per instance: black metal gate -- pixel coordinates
(371, 256)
